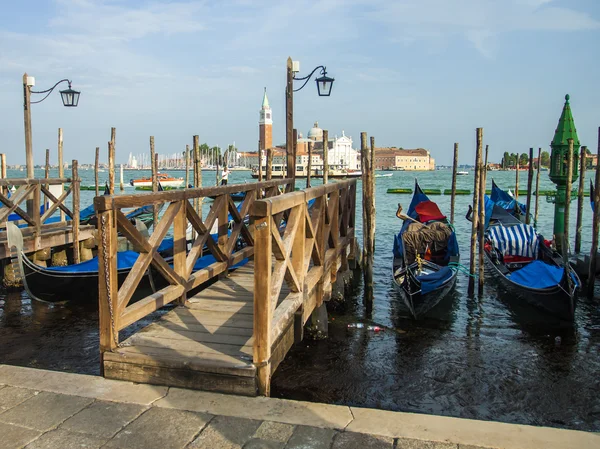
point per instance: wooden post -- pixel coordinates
(263, 314)
(289, 119)
(179, 246)
(217, 170)
(309, 168)
(187, 166)
(454, 169)
(517, 179)
(595, 226)
(108, 283)
(568, 196)
(121, 185)
(197, 173)
(294, 152)
(475, 215)
(529, 187)
(31, 210)
(368, 218)
(111, 160)
(154, 168)
(75, 183)
(269, 164)
(372, 189)
(46, 176)
(96, 168)
(3, 170)
(326, 155)
(580, 192)
(260, 173)
(61, 168)
(537, 187)
(481, 218)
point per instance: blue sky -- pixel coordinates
(412, 73)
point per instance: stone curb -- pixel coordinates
(353, 419)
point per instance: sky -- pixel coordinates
(411, 73)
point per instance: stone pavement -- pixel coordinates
(44, 409)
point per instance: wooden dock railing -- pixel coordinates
(301, 239)
(115, 294)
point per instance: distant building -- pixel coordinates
(400, 159)
(265, 124)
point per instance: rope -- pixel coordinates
(462, 268)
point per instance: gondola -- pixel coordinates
(507, 202)
(592, 194)
(526, 265)
(425, 251)
(237, 196)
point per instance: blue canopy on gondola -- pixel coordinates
(504, 200)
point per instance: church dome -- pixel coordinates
(315, 132)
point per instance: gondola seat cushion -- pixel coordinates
(430, 282)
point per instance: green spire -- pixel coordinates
(265, 104)
(566, 127)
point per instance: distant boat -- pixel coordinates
(164, 179)
(462, 172)
(383, 175)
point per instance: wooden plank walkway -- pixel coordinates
(205, 345)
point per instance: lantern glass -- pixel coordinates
(70, 97)
(324, 85)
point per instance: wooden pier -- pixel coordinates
(231, 335)
(38, 234)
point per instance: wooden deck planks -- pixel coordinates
(206, 345)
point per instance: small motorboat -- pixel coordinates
(462, 173)
(383, 175)
(164, 179)
(426, 254)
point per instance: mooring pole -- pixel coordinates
(475, 214)
(529, 187)
(537, 187)
(580, 195)
(154, 169)
(96, 168)
(454, 169)
(111, 160)
(326, 156)
(75, 183)
(269, 167)
(568, 196)
(517, 179)
(368, 217)
(121, 185)
(187, 166)
(481, 219)
(309, 168)
(61, 168)
(595, 225)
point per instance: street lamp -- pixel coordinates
(70, 98)
(324, 85)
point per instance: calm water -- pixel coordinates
(484, 358)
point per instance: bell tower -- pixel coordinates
(265, 124)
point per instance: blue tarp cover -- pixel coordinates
(538, 274)
(125, 259)
(430, 282)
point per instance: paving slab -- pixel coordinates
(80, 385)
(261, 408)
(161, 429)
(257, 443)
(103, 419)
(11, 396)
(351, 440)
(467, 431)
(411, 443)
(45, 410)
(305, 437)
(274, 431)
(62, 439)
(16, 436)
(226, 432)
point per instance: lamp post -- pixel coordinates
(70, 98)
(565, 131)
(324, 85)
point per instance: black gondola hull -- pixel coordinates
(417, 303)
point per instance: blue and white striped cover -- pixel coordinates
(517, 240)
